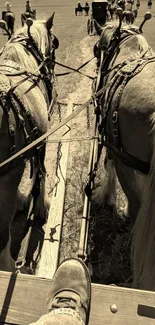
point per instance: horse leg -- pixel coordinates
(107, 191)
(8, 191)
(42, 203)
(143, 240)
(6, 261)
(132, 183)
(22, 201)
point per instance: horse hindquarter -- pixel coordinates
(137, 138)
(143, 245)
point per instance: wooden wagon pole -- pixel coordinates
(82, 251)
(51, 246)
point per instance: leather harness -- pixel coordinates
(12, 101)
(122, 73)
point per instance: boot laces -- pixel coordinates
(64, 302)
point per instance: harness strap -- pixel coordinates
(74, 70)
(34, 131)
(33, 49)
(4, 101)
(127, 159)
(123, 72)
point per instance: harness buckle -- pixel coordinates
(28, 114)
(19, 264)
(115, 133)
(35, 131)
(12, 149)
(12, 130)
(115, 117)
(28, 139)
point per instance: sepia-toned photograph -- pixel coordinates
(77, 162)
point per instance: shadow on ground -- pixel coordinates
(109, 247)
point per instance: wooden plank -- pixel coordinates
(24, 298)
(134, 307)
(50, 251)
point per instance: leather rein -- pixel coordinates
(125, 157)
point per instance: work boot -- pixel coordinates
(71, 289)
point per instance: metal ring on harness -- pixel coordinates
(19, 264)
(115, 117)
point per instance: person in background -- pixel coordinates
(79, 5)
(121, 4)
(149, 4)
(138, 4)
(28, 6)
(128, 5)
(87, 8)
(8, 6)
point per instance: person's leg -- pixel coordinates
(65, 317)
(69, 301)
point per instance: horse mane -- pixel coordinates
(15, 51)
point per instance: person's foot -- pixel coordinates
(71, 288)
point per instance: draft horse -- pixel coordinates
(26, 79)
(9, 17)
(78, 10)
(126, 78)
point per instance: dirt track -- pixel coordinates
(110, 258)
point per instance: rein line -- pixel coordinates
(73, 69)
(20, 154)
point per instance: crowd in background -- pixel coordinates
(126, 5)
(8, 6)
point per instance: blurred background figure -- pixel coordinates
(111, 9)
(8, 6)
(28, 6)
(86, 8)
(138, 4)
(128, 5)
(149, 4)
(79, 5)
(78, 9)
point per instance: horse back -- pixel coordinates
(23, 112)
(132, 99)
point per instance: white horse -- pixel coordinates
(25, 95)
(128, 110)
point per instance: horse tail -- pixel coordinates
(143, 239)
